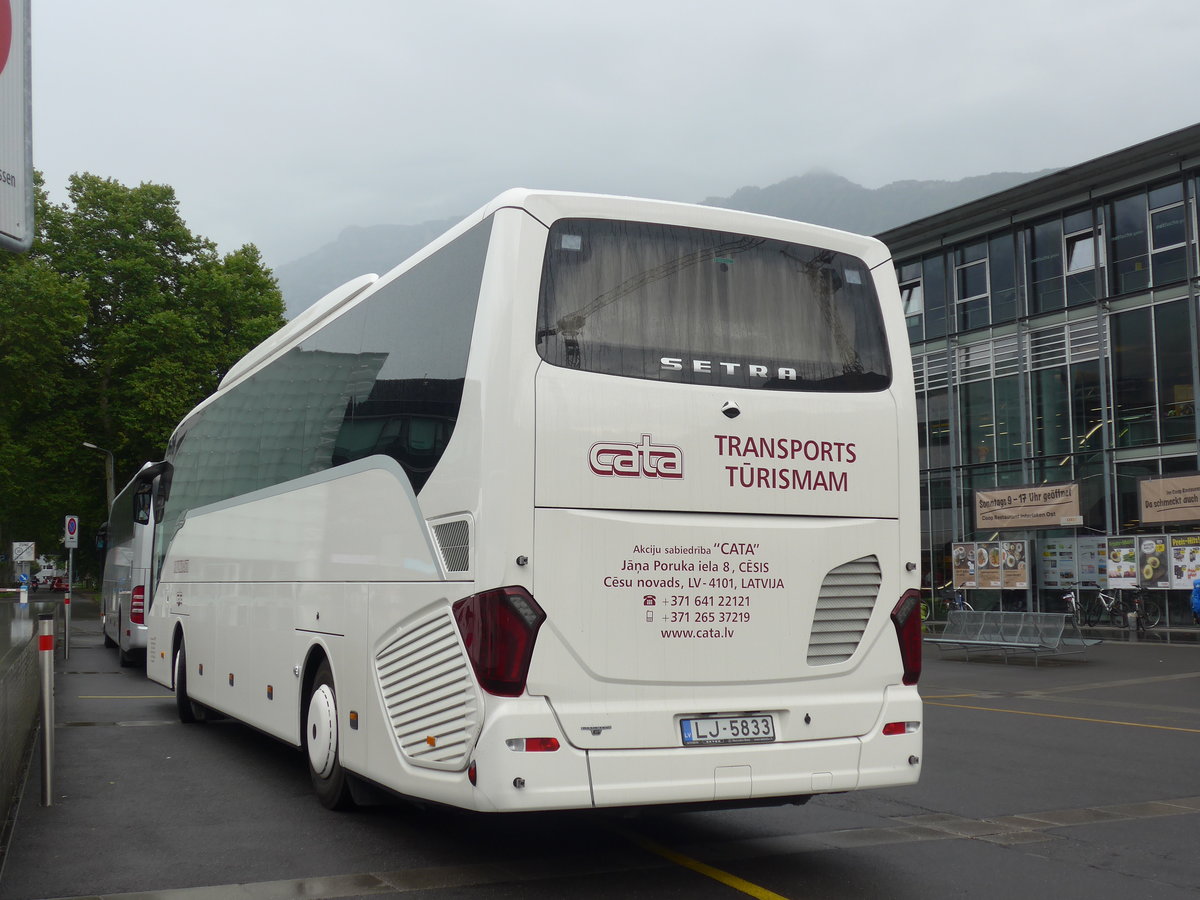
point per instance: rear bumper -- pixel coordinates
(574, 778)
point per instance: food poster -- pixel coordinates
(987, 564)
(1092, 560)
(1185, 560)
(1014, 564)
(964, 565)
(1152, 559)
(1122, 563)
(1057, 564)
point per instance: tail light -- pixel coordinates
(137, 606)
(499, 628)
(906, 616)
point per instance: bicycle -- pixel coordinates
(954, 600)
(1105, 605)
(1074, 611)
(1148, 611)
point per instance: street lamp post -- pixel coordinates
(108, 471)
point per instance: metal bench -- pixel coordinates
(1050, 634)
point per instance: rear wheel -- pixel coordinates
(322, 745)
(123, 656)
(189, 711)
(1150, 613)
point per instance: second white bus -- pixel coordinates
(128, 566)
(593, 502)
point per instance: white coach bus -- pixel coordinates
(128, 565)
(593, 502)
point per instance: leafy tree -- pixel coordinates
(117, 322)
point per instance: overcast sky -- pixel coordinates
(281, 122)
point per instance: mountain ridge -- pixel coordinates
(819, 196)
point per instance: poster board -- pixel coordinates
(963, 565)
(1056, 564)
(1122, 563)
(1185, 560)
(1091, 558)
(1014, 565)
(1153, 572)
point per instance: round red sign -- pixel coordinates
(5, 32)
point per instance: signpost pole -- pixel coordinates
(70, 541)
(67, 603)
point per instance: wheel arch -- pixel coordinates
(316, 654)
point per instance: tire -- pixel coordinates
(190, 712)
(124, 657)
(1151, 613)
(322, 746)
(1091, 614)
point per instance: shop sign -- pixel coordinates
(1170, 499)
(1028, 506)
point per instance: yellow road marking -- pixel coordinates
(726, 878)
(1018, 712)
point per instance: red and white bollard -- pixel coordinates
(46, 661)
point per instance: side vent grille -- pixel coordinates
(454, 542)
(430, 694)
(844, 607)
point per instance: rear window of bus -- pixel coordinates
(694, 306)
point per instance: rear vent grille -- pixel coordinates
(430, 694)
(844, 607)
(454, 542)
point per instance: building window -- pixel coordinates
(1046, 266)
(1168, 234)
(1009, 415)
(939, 428)
(1174, 346)
(1002, 277)
(1084, 253)
(912, 298)
(1130, 245)
(971, 286)
(1132, 345)
(1051, 414)
(978, 423)
(933, 285)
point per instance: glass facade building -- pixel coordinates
(1054, 336)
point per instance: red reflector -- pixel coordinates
(137, 605)
(498, 628)
(533, 745)
(906, 616)
(472, 772)
(46, 642)
(901, 727)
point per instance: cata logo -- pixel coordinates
(636, 460)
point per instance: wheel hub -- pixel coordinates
(322, 736)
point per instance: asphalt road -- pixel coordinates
(1077, 778)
